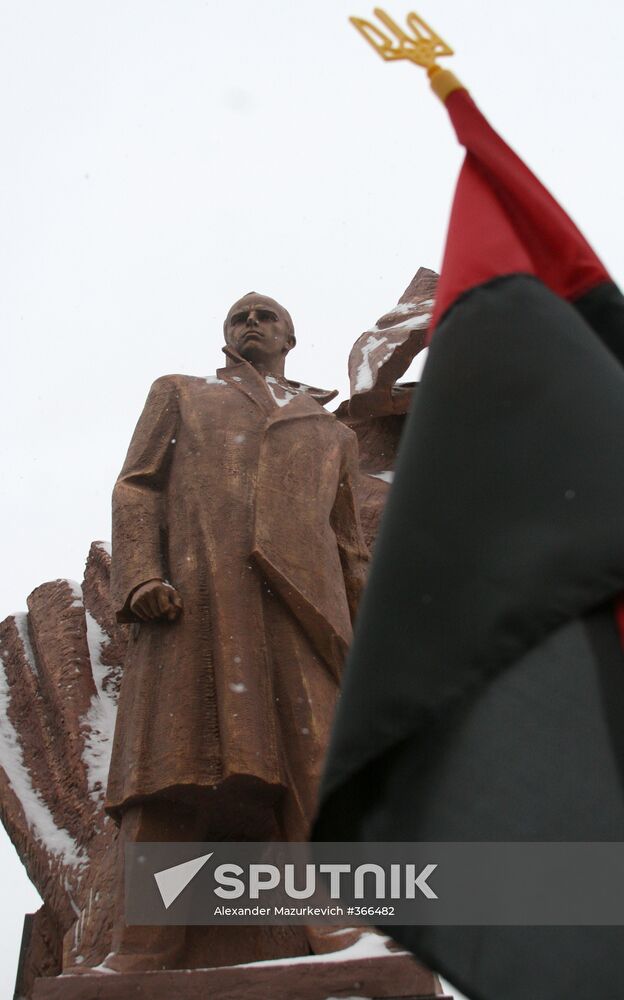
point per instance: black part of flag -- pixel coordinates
(491, 596)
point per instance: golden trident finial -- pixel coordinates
(422, 46)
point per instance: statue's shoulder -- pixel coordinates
(348, 441)
(175, 383)
(165, 383)
(344, 432)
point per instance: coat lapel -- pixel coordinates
(307, 402)
(246, 379)
(301, 406)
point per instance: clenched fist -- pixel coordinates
(156, 599)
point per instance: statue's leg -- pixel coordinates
(139, 948)
(307, 693)
(305, 697)
(243, 809)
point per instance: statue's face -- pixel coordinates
(260, 330)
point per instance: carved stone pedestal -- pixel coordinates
(398, 976)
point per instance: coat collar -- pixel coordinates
(308, 400)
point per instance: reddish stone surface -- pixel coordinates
(379, 404)
(383, 353)
(40, 953)
(246, 508)
(378, 438)
(59, 674)
(372, 494)
(396, 977)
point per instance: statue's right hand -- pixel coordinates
(156, 599)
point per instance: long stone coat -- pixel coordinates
(248, 508)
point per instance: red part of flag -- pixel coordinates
(504, 221)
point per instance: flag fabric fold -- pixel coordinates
(482, 693)
(504, 220)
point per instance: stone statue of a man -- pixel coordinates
(238, 556)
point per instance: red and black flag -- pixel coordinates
(484, 694)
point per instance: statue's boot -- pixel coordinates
(326, 939)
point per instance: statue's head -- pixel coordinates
(261, 331)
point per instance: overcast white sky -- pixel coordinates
(162, 158)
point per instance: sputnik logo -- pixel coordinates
(262, 878)
(173, 881)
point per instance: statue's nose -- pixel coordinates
(252, 319)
